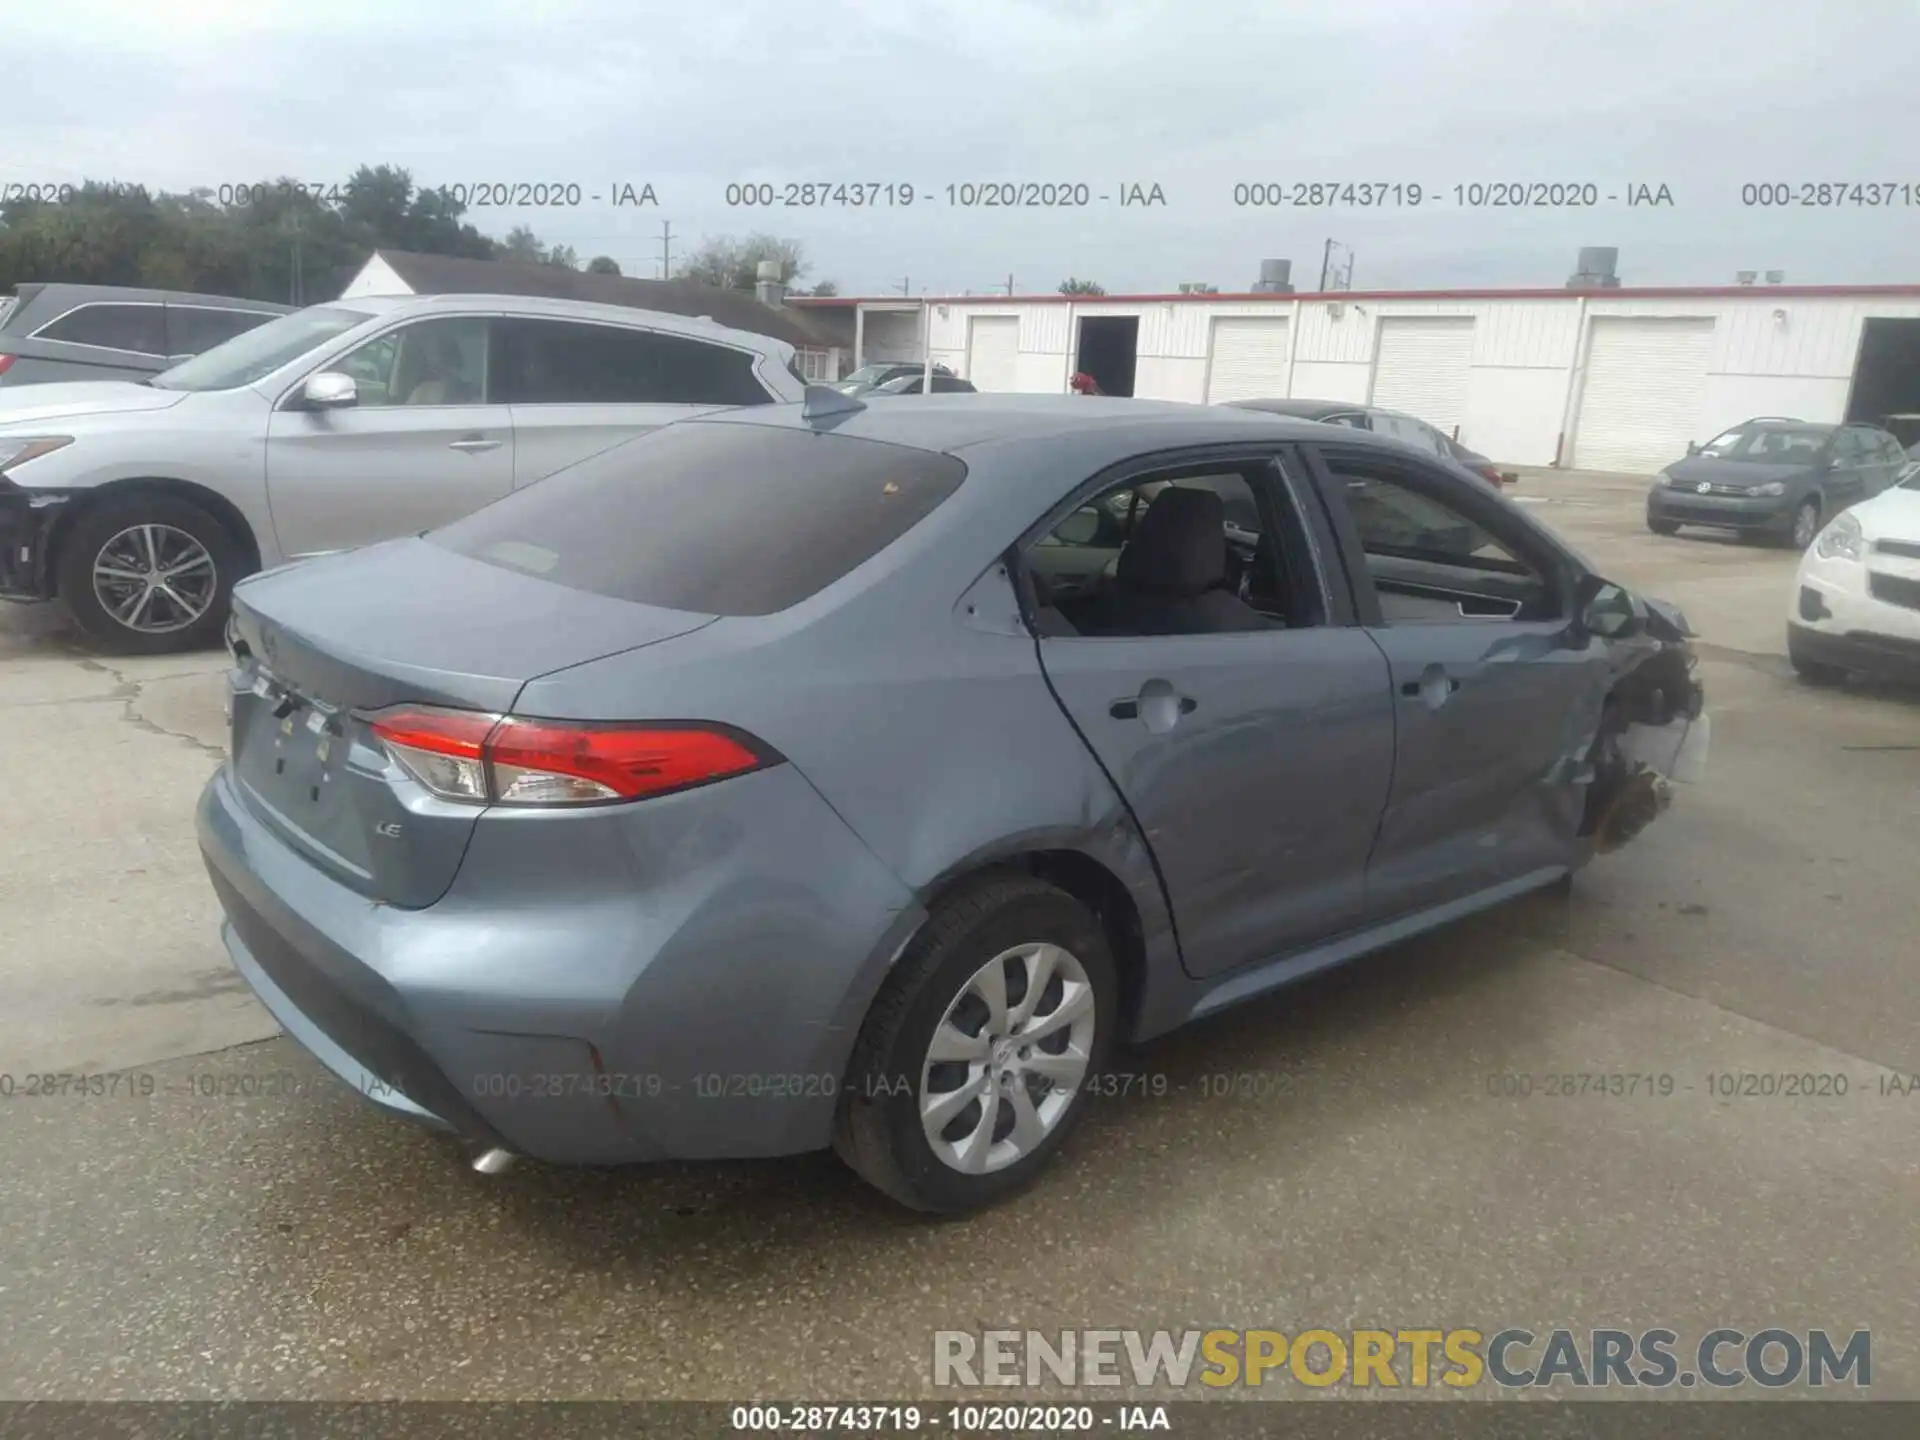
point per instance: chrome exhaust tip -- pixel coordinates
(494, 1161)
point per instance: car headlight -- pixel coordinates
(1662, 480)
(1772, 487)
(1841, 539)
(17, 450)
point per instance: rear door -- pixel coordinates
(421, 446)
(577, 388)
(1254, 753)
(1493, 697)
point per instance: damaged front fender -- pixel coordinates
(27, 519)
(1653, 729)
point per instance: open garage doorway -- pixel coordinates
(1109, 346)
(1886, 378)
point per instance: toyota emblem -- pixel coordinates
(1705, 486)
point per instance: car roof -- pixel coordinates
(1304, 409)
(544, 307)
(43, 300)
(955, 424)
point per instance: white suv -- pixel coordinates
(141, 503)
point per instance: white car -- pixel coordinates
(1856, 606)
(344, 424)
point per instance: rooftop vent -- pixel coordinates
(769, 288)
(1276, 278)
(1745, 277)
(1775, 277)
(1596, 269)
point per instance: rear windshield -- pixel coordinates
(721, 519)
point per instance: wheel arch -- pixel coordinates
(223, 510)
(1087, 879)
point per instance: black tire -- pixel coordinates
(878, 1131)
(1809, 507)
(1664, 527)
(97, 525)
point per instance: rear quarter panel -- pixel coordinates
(911, 698)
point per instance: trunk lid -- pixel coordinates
(320, 645)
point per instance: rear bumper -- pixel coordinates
(1731, 512)
(1835, 617)
(637, 1013)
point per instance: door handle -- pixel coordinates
(473, 444)
(1434, 687)
(1158, 705)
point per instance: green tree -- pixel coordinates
(734, 264)
(603, 265)
(565, 256)
(1082, 287)
(275, 240)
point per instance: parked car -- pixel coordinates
(333, 427)
(1390, 423)
(1856, 604)
(1774, 478)
(109, 332)
(802, 776)
(913, 385)
(872, 377)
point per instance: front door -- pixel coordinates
(421, 445)
(1494, 697)
(1251, 740)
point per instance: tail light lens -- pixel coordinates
(1493, 477)
(508, 760)
(6, 363)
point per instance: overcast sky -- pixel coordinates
(1699, 95)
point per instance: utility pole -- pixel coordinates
(1009, 285)
(296, 285)
(666, 249)
(906, 285)
(1326, 258)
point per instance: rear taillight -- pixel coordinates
(507, 760)
(6, 363)
(1493, 477)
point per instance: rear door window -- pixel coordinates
(194, 328)
(719, 519)
(561, 362)
(135, 329)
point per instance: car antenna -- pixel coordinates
(823, 401)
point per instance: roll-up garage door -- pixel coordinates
(1422, 369)
(1643, 391)
(993, 352)
(1248, 359)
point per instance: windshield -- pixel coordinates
(1768, 444)
(246, 358)
(869, 374)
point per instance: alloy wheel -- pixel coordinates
(155, 578)
(1007, 1059)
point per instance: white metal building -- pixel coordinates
(1616, 379)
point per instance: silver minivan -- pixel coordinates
(141, 503)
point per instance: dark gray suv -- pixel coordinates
(1774, 478)
(108, 332)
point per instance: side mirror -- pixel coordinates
(1080, 528)
(330, 390)
(1609, 611)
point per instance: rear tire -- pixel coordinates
(997, 925)
(1663, 527)
(149, 574)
